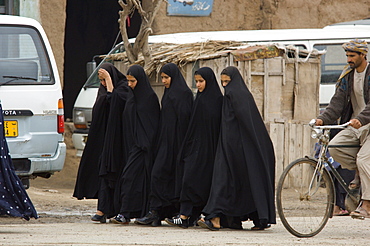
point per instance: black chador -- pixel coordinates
(102, 154)
(244, 170)
(199, 148)
(141, 120)
(175, 116)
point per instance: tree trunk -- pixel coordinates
(147, 18)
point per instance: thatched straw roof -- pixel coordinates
(180, 54)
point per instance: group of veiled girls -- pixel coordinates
(207, 162)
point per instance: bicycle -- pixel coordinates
(305, 194)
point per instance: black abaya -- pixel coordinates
(141, 120)
(175, 116)
(199, 148)
(244, 172)
(107, 110)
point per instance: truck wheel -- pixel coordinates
(26, 182)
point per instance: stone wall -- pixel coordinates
(226, 15)
(264, 14)
(53, 18)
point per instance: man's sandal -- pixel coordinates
(360, 213)
(354, 184)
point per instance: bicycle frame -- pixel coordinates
(305, 194)
(322, 160)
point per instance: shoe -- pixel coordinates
(354, 184)
(120, 219)
(207, 224)
(342, 212)
(193, 221)
(151, 218)
(260, 228)
(99, 218)
(360, 213)
(177, 221)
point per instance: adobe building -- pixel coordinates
(80, 29)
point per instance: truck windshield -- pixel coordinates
(332, 62)
(93, 81)
(23, 59)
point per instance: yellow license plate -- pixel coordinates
(11, 128)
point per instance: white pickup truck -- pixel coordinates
(329, 38)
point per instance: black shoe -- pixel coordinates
(193, 221)
(99, 218)
(177, 221)
(260, 228)
(208, 225)
(120, 219)
(151, 218)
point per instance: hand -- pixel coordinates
(103, 74)
(319, 122)
(355, 123)
(105, 79)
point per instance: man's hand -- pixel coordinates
(319, 122)
(355, 123)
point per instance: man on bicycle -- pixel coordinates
(351, 102)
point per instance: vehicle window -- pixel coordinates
(93, 81)
(332, 62)
(292, 54)
(23, 59)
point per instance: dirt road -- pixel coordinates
(66, 221)
(79, 230)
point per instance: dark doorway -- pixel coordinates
(91, 29)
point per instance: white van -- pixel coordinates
(329, 39)
(31, 98)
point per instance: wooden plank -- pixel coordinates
(276, 131)
(273, 92)
(306, 97)
(266, 111)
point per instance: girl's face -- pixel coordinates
(225, 79)
(200, 82)
(132, 82)
(166, 80)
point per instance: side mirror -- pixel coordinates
(90, 67)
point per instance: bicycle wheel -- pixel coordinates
(304, 198)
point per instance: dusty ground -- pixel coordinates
(66, 221)
(53, 197)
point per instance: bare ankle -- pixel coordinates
(366, 205)
(216, 222)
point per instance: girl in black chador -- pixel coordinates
(14, 200)
(102, 159)
(140, 120)
(199, 149)
(244, 170)
(177, 103)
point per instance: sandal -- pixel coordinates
(342, 212)
(258, 228)
(360, 213)
(354, 184)
(207, 224)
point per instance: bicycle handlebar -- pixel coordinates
(342, 126)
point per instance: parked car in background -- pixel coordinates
(329, 39)
(31, 97)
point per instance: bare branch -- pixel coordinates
(147, 18)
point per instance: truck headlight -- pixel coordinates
(79, 119)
